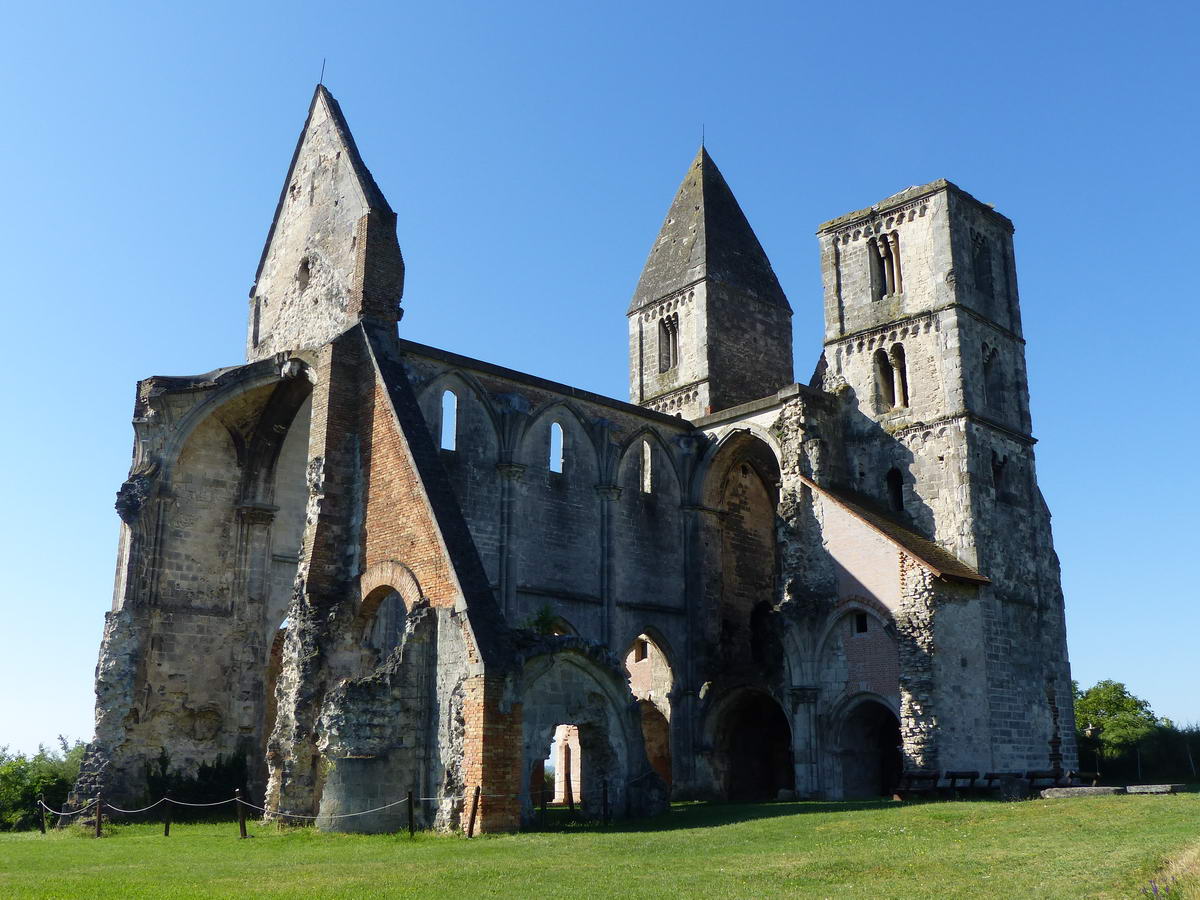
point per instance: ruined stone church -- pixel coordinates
(365, 566)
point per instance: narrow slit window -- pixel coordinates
(875, 260)
(894, 258)
(981, 264)
(556, 447)
(860, 623)
(449, 421)
(900, 374)
(641, 650)
(257, 321)
(998, 464)
(885, 381)
(668, 342)
(895, 490)
(993, 382)
(647, 468)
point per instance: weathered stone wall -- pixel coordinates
(683, 388)
(331, 255)
(606, 559)
(795, 594)
(749, 344)
(183, 668)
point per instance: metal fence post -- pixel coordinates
(99, 813)
(42, 813)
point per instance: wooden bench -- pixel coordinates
(915, 782)
(954, 788)
(1044, 778)
(1092, 778)
(992, 777)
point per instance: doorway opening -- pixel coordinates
(755, 744)
(871, 756)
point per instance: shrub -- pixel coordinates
(50, 773)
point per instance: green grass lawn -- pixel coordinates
(1093, 847)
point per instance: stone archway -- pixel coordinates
(569, 688)
(651, 680)
(870, 751)
(753, 748)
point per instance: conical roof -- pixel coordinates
(325, 115)
(706, 235)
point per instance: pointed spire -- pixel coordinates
(332, 229)
(706, 235)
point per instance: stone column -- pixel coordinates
(251, 651)
(804, 738)
(914, 625)
(893, 240)
(510, 477)
(609, 495)
(881, 245)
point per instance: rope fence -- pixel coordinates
(241, 805)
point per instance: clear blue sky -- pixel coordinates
(530, 152)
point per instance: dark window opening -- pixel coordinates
(860, 623)
(304, 273)
(885, 381)
(900, 374)
(998, 466)
(993, 381)
(641, 650)
(668, 342)
(257, 319)
(981, 264)
(895, 490)
(884, 252)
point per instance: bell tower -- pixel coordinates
(709, 325)
(923, 341)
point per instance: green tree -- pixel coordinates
(23, 779)
(1109, 713)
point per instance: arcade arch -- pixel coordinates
(752, 746)
(651, 681)
(869, 747)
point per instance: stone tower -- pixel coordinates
(709, 325)
(923, 341)
(331, 256)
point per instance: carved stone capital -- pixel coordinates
(803, 694)
(608, 491)
(257, 513)
(510, 470)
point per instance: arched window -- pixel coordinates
(895, 490)
(668, 342)
(885, 381)
(900, 374)
(647, 468)
(557, 447)
(449, 420)
(884, 252)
